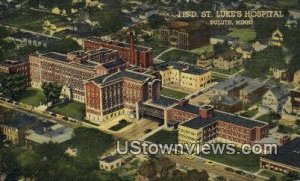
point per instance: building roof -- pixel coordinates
(56, 56)
(114, 63)
(226, 100)
(288, 154)
(198, 122)
(164, 101)
(20, 121)
(181, 66)
(111, 158)
(48, 131)
(279, 92)
(10, 63)
(119, 75)
(232, 83)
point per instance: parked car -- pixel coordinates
(147, 131)
(240, 172)
(229, 169)
(250, 176)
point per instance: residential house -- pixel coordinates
(297, 77)
(274, 99)
(276, 39)
(292, 105)
(228, 60)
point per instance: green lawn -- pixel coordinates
(72, 109)
(164, 137)
(287, 3)
(32, 20)
(203, 49)
(250, 113)
(229, 72)
(180, 55)
(32, 97)
(155, 43)
(172, 93)
(244, 34)
(245, 162)
(122, 124)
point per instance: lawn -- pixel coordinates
(155, 43)
(122, 124)
(164, 137)
(249, 162)
(228, 72)
(71, 109)
(32, 20)
(180, 55)
(290, 3)
(172, 93)
(203, 49)
(249, 113)
(32, 97)
(244, 34)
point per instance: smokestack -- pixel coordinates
(132, 59)
(206, 112)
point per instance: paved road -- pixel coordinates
(216, 169)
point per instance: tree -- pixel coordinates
(220, 48)
(52, 91)
(13, 86)
(156, 21)
(64, 46)
(291, 176)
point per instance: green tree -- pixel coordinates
(13, 86)
(64, 46)
(52, 91)
(220, 48)
(291, 176)
(156, 21)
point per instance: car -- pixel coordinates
(147, 131)
(211, 163)
(229, 169)
(240, 172)
(250, 176)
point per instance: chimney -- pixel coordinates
(132, 59)
(183, 102)
(206, 111)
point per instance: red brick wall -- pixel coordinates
(92, 95)
(178, 115)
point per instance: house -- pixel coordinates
(297, 77)
(276, 39)
(226, 103)
(287, 158)
(14, 128)
(274, 99)
(184, 75)
(246, 50)
(253, 92)
(110, 162)
(292, 105)
(48, 132)
(228, 60)
(206, 60)
(257, 46)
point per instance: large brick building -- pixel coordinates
(185, 34)
(72, 69)
(16, 67)
(205, 124)
(109, 96)
(135, 55)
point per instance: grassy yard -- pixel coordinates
(164, 137)
(180, 55)
(228, 72)
(122, 124)
(287, 2)
(71, 109)
(249, 162)
(32, 97)
(245, 34)
(249, 113)
(203, 49)
(172, 93)
(154, 42)
(32, 20)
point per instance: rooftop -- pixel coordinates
(119, 75)
(288, 154)
(198, 122)
(184, 67)
(164, 101)
(20, 121)
(114, 63)
(111, 158)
